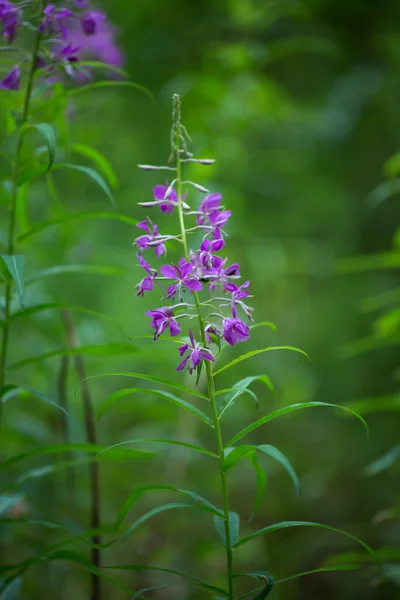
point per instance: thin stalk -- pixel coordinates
(94, 473)
(13, 207)
(209, 373)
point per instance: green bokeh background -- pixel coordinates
(298, 104)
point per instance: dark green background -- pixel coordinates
(298, 102)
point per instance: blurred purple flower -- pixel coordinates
(235, 331)
(147, 283)
(12, 80)
(184, 277)
(10, 18)
(208, 205)
(159, 194)
(161, 318)
(55, 21)
(195, 356)
(101, 47)
(152, 240)
(90, 22)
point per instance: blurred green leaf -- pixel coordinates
(241, 387)
(140, 593)
(90, 173)
(21, 390)
(392, 165)
(385, 462)
(103, 164)
(288, 409)
(116, 349)
(111, 84)
(11, 591)
(7, 501)
(384, 191)
(261, 480)
(48, 134)
(85, 269)
(286, 524)
(267, 578)
(323, 570)
(76, 217)
(255, 352)
(371, 262)
(161, 441)
(378, 404)
(38, 308)
(16, 265)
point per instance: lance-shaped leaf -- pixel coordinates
(268, 583)
(166, 396)
(138, 493)
(27, 391)
(58, 306)
(243, 450)
(287, 524)
(288, 409)
(111, 84)
(39, 227)
(93, 174)
(85, 269)
(142, 593)
(255, 353)
(103, 164)
(15, 265)
(198, 582)
(241, 387)
(385, 462)
(234, 527)
(162, 441)
(48, 134)
(11, 591)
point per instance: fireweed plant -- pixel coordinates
(205, 309)
(58, 48)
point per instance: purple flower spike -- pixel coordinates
(147, 283)
(235, 331)
(161, 318)
(195, 356)
(55, 21)
(10, 17)
(91, 20)
(169, 203)
(152, 240)
(183, 276)
(209, 204)
(12, 80)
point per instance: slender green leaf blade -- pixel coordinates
(236, 455)
(162, 441)
(38, 308)
(22, 389)
(84, 269)
(288, 409)
(146, 377)
(92, 173)
(16, 265)
(48, 134)
(277, 455)
(287, 524)
(111, 84)
(103, 164)
(141, 593)
(320, 570)
(267, 578)
(234, 526)
(11, 591)
(261, 480)
(241, 387)
(385, 462)
(256, 352)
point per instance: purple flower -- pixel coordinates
(184, 277)
(167, 205)
(206, 256)
(208, 205)
(91, 21)
(152, 240)
(12, 80)
(218, 219)
(237, 294)
(101, 47)
(55, 21)
(10, 17)
(235, 331)
(147, 283)
(68, 53)
(222, 275)
(211, 330)
(81, 3)
(195, 356)
(161, 318)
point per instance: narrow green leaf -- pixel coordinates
(166, 382)
(384, 191)
(267, 578)
(255, 352)
(264, 324)
(117, 349)
(38, 308)
(234, 526)
(11, 591)
(85, 269)
(103, 164)
(139, 492)
(16, 265)
(286, 524)
(90, 173)
(288, 409)
(375, 404)
(385, 462)
(111, 84)
(21, 391)
(261, 480)
(161, 509)
(7, 501)
(166, 396)
(48, 134)
(75, 217)
(371, 262)
(162, 441)
(235, 455)
(140, 593)
(277, 455)
(199, 582)
(241, 387)
(31, 174)
(95, 64)
(115, 454)
(320, 570)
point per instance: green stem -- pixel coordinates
(208, 365)
(13, 207)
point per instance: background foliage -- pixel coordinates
(298, 101)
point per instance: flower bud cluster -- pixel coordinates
(65, 29)
(198, 270)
